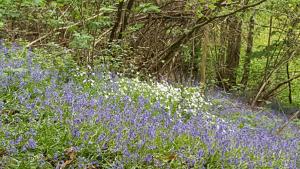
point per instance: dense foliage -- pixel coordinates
(149, 84)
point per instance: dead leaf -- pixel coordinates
(3, 152)
(9, 111)
(171, 157)
(71, 153)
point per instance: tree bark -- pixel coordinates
(289, 84)
(168, 53)
(116, 26)
(269, 44)
(247, 63)
(233, 51)
(126, 18)
(291, 41)
(205, 53)
(221, 57)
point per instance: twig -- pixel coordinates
(39, 39)
(200, 23)
(77, 23)
(62, 28)
(101, 36)
(266, 96)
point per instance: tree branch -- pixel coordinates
(61, 28)
(279, 85)
(200, 23)
(287, 123)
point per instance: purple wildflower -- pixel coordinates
(75, 132)
(31, 144)
(148, 159)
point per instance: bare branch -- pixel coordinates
(280, 85)
(62, 28)
(287, 123)
(200, 23)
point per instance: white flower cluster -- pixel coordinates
(175, 99)
(89, 81)
(185, 99)
(84, 75)
(79, 73)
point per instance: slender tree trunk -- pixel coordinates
(289, 83)
(116, 26)
(233, 50)
(221, 57)
(291, 41)
(205, 53)
(192, 60)
(168, 53)
(269, 44)
(290, 53)
(248, 52)
(126, 18)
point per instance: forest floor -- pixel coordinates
(59, 116)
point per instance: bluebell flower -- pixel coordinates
(152, 131)
(31, 144)
(75, 132)
(200, 154)
(148, 159)
(1, 105)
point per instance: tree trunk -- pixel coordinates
(289, 83)
(233, 51)
(116, 26)
(221, 56)
(291, 41)
(126, 18)
(269, 44)
(248, 52)
(205, 53)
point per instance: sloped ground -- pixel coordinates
(234, 109)
(62, 117)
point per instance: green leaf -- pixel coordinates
(108, 9)
(212, 6)
(147, 8)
